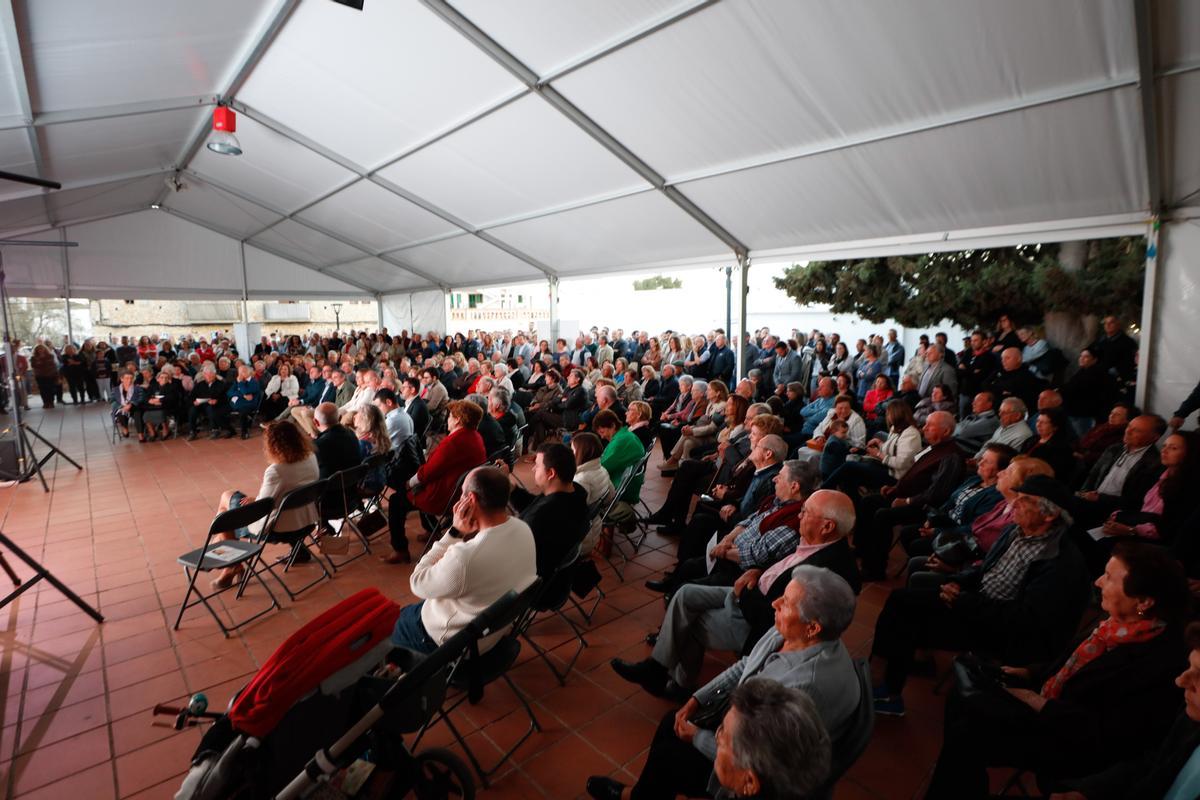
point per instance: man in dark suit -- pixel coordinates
(1116, 349)
(337, 446)
(1124, 473)
(937, 471)
(721, 362)
(1014, 379)
(703, 618)
(668, 391)
(410, 394)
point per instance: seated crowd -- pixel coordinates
(1047, 531)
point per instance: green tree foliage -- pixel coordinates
(656, 282)
(973, 287)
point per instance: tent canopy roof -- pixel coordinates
(426, 143)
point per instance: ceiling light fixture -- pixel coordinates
(222, 139)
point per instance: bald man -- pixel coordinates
(1014, 379)
(722, 618)
(937, 471)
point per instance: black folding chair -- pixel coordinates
(549, 604)
(473, 674)
(217, 554)
(621, 486)
(594, 513)
(297, 540)
(338, 506)
(627, 477)
(371, 499)
(440, 524)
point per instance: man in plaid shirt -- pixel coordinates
(1020, 605)
(764, 537)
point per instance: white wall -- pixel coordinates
(1174, 354)
(419, 311)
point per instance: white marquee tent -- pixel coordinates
(418, 145)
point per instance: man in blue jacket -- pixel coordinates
(244, 397)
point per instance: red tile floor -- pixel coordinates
(77, 697)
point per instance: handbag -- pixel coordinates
(977, 676)
(953, 548)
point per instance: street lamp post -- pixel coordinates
(337, 317)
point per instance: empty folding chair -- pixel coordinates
(297, 540)
(337, 508)
(217, 554)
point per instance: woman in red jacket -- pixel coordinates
(431, 489)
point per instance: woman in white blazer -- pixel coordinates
(282, 387)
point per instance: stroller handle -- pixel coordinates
(325, 761)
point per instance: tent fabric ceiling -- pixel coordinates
(431, 143)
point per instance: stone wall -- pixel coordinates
(203, 318)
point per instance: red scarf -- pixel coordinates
(1108, 634)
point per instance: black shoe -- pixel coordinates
(245, 434)
(303, 557)
(677, 693)
(193, 436)
(648, 674)
(663, 584)
(657, 518)
(604, 788)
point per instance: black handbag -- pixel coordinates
(977, 676)
(953, 548)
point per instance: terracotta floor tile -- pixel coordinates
(546, 768)
(63, 723)
(155, 763)
(56, 761)
(146, 694)
(95, 783)
(135, 670)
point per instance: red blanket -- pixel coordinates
(325, 645)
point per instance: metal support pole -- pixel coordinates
(553, 281)
(245, 286)
(379, 309)
(744, 271)
(1149, 306)
(67, 285)
(729, 301)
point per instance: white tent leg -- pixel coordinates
(553, 281)
(1149, 301)
(740, 350)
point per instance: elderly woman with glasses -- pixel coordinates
(802, 651)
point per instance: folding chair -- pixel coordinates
(218, 554)
(613, 499)
(853, 743)
(594, 511)
(338, 505)
(474, 672)
(441, 523)
(634, 471)
(297, 540)
(372, 501)
(553, 597)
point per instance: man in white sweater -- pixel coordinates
(484, 555)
